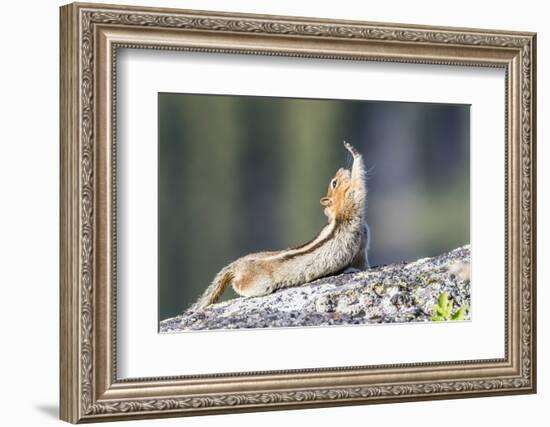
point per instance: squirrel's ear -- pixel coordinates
(325, 201)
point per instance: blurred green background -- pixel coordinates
(241, 174)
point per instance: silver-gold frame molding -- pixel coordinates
(90, 36)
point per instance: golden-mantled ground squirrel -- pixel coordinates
(341, 245)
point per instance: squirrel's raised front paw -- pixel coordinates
(351, 149)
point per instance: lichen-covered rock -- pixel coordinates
(405, 292)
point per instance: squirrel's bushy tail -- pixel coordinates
(214, 291)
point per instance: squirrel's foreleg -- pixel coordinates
(358, 168)
(361, 260)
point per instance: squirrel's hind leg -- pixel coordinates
(252, 279)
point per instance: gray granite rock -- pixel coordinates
(404, 292)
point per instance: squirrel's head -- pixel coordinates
(347, 190)
(336, 200)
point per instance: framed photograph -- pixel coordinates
(267, 212)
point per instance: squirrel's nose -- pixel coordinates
(325, 201)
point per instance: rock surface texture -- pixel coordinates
(404, 292)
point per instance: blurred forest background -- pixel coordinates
(242, 174)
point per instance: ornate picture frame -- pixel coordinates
(90, 37)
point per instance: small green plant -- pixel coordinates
(444, 309)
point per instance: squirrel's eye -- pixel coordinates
(334, 182)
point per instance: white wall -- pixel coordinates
(29, 212)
